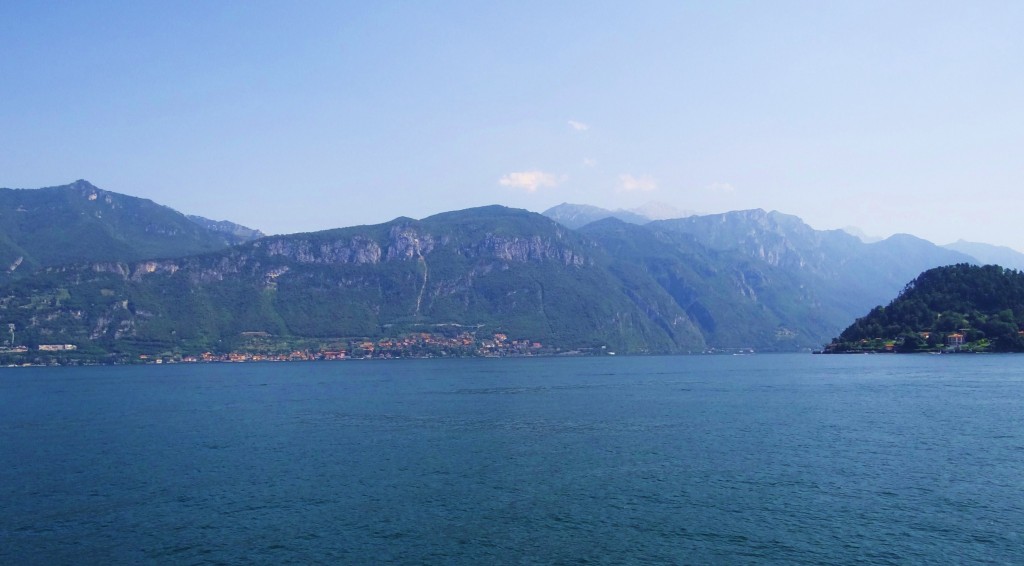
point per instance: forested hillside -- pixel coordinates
(961, 307)
(80, 223)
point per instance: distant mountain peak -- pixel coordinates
(989, 254)
(87, 190)
(579, 215)
(860, 234)
(774, 220)
(655, 210)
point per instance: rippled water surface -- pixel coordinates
(732, 459)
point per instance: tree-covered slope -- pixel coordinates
(980, 306)
(80, 222)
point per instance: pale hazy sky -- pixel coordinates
(296, 116)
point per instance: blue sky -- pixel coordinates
(298, 116)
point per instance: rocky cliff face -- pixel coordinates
(356, 250)
(407, 242)
(531, 249)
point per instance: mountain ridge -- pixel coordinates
(989, 254)
(741, 280)
(508, 271)
(579, 215)
(81, 222)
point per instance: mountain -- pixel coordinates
(494, 269)
(989, 254)
(953, 307)
(861, 235)
(234, 233)
(80, 223)
(736, 301)
(661, 211)
(739, 280)
(579, 215)
(832, 270)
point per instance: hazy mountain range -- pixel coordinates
(990, 255)
(579, 215)
(114, 273)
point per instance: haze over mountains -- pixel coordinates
(989, 254)
(579, 215)
(119, 274)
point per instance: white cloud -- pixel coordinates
(589, 162)
(578, 126)
(721, 188)
(530, 181)
(643, 183)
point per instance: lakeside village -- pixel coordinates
(414, 345)
(263, 347)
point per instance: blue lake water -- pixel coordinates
(695, 459)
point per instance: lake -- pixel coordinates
(694, 459)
